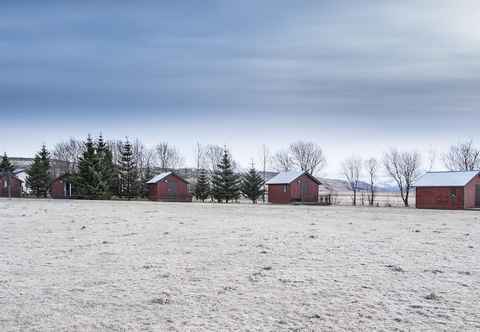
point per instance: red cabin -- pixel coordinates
(293, 186)
(168, 187)
(15, 186)
(61, 188)
(448, 190)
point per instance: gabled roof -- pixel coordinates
(446, 179)
(289, 177)
(162, 176)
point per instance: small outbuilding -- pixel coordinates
(62, 188)
(448, 190)
(15, 186)
(292, 187)
(168, 187)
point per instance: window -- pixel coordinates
(284, 188)
(5, 184)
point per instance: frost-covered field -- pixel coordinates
(79, 265)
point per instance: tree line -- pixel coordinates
(100, 169)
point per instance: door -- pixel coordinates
(304, 190)
(172, 187)
(477, 196)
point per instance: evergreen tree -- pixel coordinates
(225, 183)
(88, 181)
(6, 167)
(106, 167)
(6, 171)
(202, 189)
(252, 185)
(147, 175)
(128, 172)
(38, 177)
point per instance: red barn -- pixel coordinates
(15, 186)
(61, 188)
(293, 186)
(448, 190)
(168, 187)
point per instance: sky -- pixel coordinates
(356, 77)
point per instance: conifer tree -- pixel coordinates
(38, 177)
(147, 175)
(128, 172)
(252, 185)
(202, 189)
(6, 171)
(88, 181)
(106, 167)
(225, 183)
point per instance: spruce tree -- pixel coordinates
(252, 185)
(128, 172)
(225, 183)
(202, 189)
(6, 167)
(6, 171)
(88, 181)
(38, 177)
(147, 175)
(106, 167)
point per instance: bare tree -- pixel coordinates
(213, 156)
(462, 157)
(283, 161)
(352, 168)
(371, 166)
(404, 168)
(69, 151)
(308, 156)
(168, 156)
(265, 160)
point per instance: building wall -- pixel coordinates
(279, 193)
(293, 193)
(470, 192)
(57, 189)
(161, 191)
(15, 187)
(440, 198)
(310, 194)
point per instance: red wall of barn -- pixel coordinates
(440, 198)
(293, 193)
(57, 189)
(470, 192)
(277, 195)
(159, 191)
(15, 187)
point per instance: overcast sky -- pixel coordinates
(354, 76)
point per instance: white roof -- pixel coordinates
(288, 177)
(446, 179)
(159, 177)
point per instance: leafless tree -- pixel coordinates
(265, 160)
(307, 156)
(404, 168)
(69, 151)
(283, 161)
(144, 156)
(168, 156)
(462, 157)
(213, 155)
(352, 168)
(371, 166)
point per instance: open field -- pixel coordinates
(85, 265)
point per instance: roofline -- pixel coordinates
(434, 172)
(170, 173)
(317, 181)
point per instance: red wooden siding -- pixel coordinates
(170, 189)
(15, 187)
(60, 189)
(289, 193)
(470, 193)
(440, 198)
